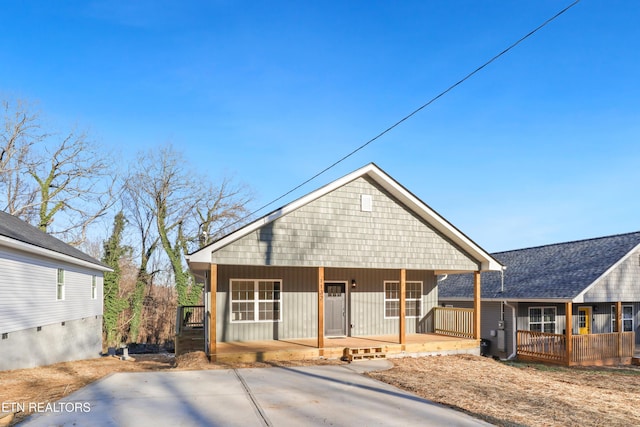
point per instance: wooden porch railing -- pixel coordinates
(456, 322)
(542, 346)
(594, 348)
(589, 349)
(189, 317)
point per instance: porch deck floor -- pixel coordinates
(300, 349)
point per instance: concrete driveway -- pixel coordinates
(316, 395)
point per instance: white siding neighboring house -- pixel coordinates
(50, 298)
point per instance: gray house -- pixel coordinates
(50, 298)
(358, 257)
(591, 285)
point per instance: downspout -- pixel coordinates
(514, 317)
(515, 331)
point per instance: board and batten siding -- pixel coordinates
(299, 302)
(365, 302)
(334, 231)
(28, 291)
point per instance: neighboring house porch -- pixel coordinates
(575, 303)
(584, 348)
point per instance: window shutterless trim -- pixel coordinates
(542, 321)
(417, 300)
(255, 301)
(60, 286)
(630, 318)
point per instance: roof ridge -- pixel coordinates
(567, 243)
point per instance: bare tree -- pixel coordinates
(46, 176)
(20, 132)
(182, 204)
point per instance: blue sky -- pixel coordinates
(539, 147)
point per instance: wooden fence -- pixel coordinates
(456, 322)
(588, 349)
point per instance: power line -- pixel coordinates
(405, 118)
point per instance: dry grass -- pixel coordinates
(522, 394)
(503, 394)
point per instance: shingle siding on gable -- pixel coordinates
(334, 232)
(621, 284)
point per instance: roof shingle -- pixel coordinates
(557, 271)
(16, 229)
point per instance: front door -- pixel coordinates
(584, 320)
(334, 309)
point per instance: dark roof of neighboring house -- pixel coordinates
(16, 229)
(558, 271)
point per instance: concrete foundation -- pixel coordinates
(48, 344)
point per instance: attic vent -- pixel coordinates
(366, 203)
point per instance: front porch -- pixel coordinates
(584, 349)
(454, 334)
(336, 348)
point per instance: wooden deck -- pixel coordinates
(305, 349)
(585, 350)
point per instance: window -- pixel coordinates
(94, 288)
(627, 318)
(542, 319)
(255, 300)
(413, 299)
(60, 285)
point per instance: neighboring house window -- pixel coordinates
(60, 285)
(413, 299)
(627, 318)
(255, 300)
(94, 288)
(542, 319)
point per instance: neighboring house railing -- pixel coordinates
(597, 347)
(586, 349)
(542, 346)
(457, 322)
(189, 317)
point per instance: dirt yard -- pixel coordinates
(505, 394)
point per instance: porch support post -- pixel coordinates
(320, 307)
(213, 293)
(476, 305)
(403, 305)
(568, 331)
(619, 326)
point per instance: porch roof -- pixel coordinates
(202, 257)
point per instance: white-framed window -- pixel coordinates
(413, 299)
(542, 319)
(255, 300)
(94, 287)
(60, 285)
(627, 318)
